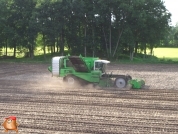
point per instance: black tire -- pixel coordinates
(70, 80)
(120, 82)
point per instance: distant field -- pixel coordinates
(162, 53)
(166, 53)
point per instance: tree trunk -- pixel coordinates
(151, 49)
(144, 50)
(57, 40)
(28, 54)
(54, 45)
(131, 50)
(44, 47)
(32, 50)
(105, 41)
(136, 47)
(93, 36)
(117, 42)
(15, 46)
(62, 43)
(6, 46)
(51, 49)
(131, 55)
(110, 47)
(110, 33)
(80, 35)
(85, 49)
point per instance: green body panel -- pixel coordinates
(66, 68)
(50, 68)
(89, 62)
(65, 71)
(93, 76)
(136, 83)
(106, 82)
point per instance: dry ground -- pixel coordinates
(44, 106)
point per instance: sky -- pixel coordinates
(172, 6)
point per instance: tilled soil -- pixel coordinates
(43, 105)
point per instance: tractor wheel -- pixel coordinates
(120, 82)
(70, 80)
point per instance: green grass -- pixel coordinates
(160, 55)
(166, 53)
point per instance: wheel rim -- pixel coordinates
(70, 80)
(120, 83)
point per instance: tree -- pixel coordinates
(20, 22)
(149, 21)
(5, 30)
(90, 27)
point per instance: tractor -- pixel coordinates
(89, 70)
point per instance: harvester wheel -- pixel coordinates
(120, 82)
(70, 80)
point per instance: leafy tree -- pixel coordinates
(20, 22)
(90, 27)
(5, 31)
(149, 21)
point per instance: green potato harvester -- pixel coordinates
(90, 70)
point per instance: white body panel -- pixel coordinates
(55, 65)
(100, 61)
(103, 61)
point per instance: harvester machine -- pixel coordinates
(90, 70)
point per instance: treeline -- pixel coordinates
(171, 39)
(104, 28)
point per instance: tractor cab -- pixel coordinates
(101, 65)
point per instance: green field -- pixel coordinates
(166, 53)
(162, 54)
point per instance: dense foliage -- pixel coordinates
(106, 28)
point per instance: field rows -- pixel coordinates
(44, 106)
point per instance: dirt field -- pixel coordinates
(43, 106)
